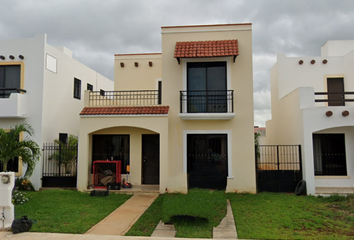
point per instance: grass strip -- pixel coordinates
(287, 216)
(67, 211)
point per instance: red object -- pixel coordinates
(125, 110)
(100, 166)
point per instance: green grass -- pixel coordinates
(193, 214)
(146, 224)
(285, 216)
(67, 211)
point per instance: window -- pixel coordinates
(101, 92)
(206, 87)
(89, 87)
(77, 88)
(329, 154)
(335, 89)
(10, 80)
(109, 147)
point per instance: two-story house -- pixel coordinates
(43, 85)
(312, 105)
(179, 119)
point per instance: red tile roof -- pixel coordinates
(218, 48)
(151, 110)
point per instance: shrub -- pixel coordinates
(23, 184)
(19, 197)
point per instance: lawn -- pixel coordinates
(194, 214)
(287, 216)
(67, 211)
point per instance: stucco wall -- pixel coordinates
(242, 177)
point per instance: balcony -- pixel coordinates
(334, 98)
(123, 98)
(207, 105)
(13, 103)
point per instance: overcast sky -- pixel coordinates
(95, 30)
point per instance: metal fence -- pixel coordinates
(59, 165)
(125, 98)
(278, 167)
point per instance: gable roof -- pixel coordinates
(149, 110)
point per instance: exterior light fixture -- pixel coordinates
(12, 57)
(21, 57)
(2, 57)
(5, 179)
(136, 64)
(150, 64)
(122, 64)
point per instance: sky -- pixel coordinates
(95, 30)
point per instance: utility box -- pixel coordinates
(7, 210)
(106, 172)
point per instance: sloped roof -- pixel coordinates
(216, 48)
(148, 110)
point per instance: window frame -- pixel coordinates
(89, 87)
(22, 71)
(77, 89)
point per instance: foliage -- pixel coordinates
(149, 220)
(19, 197)
(287, 216)
(256, 144)
(67, 154)
(23, 184)
(27, 149)
(67, 211)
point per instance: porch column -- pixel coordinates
(164, 157)
(82, 163)
(307, 162)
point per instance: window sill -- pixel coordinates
(207, 116)
(332, 177)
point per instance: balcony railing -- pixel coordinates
(212, 101)
(335, 98)
(125, 98)
(6, 92)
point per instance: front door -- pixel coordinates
(150, 159)
(335, 89)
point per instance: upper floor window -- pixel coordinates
(335, 90)
(89, 87)
(206, 87)
(10, 80)
(77, 88)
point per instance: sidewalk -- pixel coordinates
(121, 220)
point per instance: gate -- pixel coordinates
(59, 165)
(278, 167)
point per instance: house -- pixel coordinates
(312, 105)
(179, 119)
(43, 85)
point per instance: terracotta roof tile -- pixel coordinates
(125, 110)
(218, 48)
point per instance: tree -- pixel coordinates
(27, 150)
(66, 153)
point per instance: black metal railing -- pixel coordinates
(334, 98)
(278, 167)
(212, 101)
(6, 92)
(125, 98)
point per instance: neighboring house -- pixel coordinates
(43, 85)
(312, 105)
(180, 119)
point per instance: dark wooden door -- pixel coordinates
(335, 89)
(150, 158)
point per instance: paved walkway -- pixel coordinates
(121, 220)
(227, 227)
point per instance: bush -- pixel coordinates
(23, 184)
(19, 197)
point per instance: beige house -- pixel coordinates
(180, 119)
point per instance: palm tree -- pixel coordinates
(27, 149)
(67, 154)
